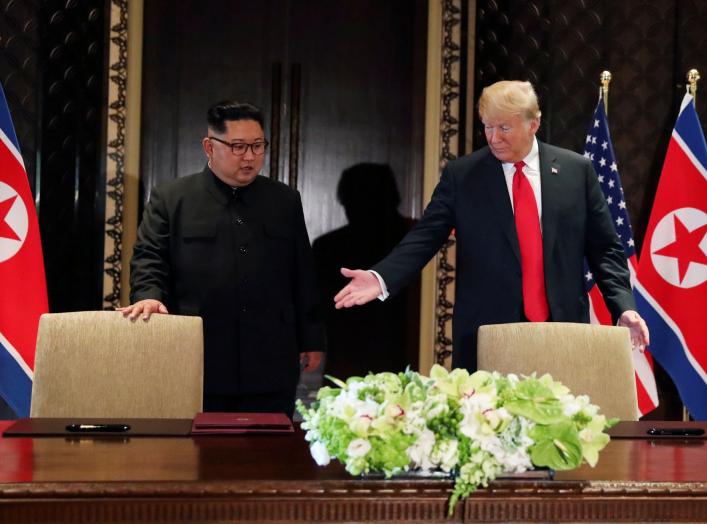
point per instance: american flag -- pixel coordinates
(599, 150)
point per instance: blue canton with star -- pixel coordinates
(598, 149)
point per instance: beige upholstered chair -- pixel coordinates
(99, 364)
(589, 359)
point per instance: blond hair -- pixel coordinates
(509, 97)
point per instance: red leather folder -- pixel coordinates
(238, 423)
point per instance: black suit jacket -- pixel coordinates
(472, 197)
(242, 261)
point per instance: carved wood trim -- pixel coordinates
(418, 501)
(449, 134)
(115, 154)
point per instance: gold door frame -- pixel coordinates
(442, 125)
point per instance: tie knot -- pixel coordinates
(519, 165)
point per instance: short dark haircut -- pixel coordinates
(219, 113)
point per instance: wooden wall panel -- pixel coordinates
(70, 174)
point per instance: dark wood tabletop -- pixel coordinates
(272, 478)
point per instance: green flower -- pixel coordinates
(557, 446)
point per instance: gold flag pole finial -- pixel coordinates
(693, 75)
(605, 78)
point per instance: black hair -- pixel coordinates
(219, 113)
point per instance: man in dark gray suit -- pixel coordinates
(231, 246)
(526, 215)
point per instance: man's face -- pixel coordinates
(510, 137)
(236, 171)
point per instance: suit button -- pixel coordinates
(243, 250)
(240, 221)
(244, 309)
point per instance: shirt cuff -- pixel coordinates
(384, 294)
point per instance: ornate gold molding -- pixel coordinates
(123, 151)
(451, 82)
(441, 144)
(115, 154)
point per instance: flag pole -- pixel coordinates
(693, 75)
(605, 78)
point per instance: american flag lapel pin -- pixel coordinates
(554, 170)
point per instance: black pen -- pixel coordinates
(676, 432)
(88, 428)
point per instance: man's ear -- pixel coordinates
(534, 125)
(207, 146)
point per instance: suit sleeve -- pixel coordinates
(309, 325)
(149, 266)
(424, 240)
(604, 251)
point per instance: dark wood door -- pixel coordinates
(356, 67)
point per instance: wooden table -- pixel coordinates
(273, 479)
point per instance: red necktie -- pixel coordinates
(531, 247)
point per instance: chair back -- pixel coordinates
(100, 364)
(589, 359)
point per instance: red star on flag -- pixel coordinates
(5, 230)
(686, 247)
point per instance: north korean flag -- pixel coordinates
(671, 287)
(23, 290)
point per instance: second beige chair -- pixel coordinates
(99, 364)
(589, 359)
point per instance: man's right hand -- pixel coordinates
(143, 307)
(363, 288)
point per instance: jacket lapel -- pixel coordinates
(551, 191)
(497, 192)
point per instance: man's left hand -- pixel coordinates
(310, 360)
(637, 327)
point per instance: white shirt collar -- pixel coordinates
(532, 162)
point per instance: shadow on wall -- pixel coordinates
(379, 336)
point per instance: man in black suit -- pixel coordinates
(526, 215)
(231, 246)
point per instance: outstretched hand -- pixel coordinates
(143, 307)
(637, 328)
(362, 288)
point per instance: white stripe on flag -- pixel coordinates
(632, 270)
(15, 355)
(8, 143)
(688, 153)
(645, 374)
(592, 315)
(676, 330)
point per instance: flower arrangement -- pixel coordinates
(473, 427)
